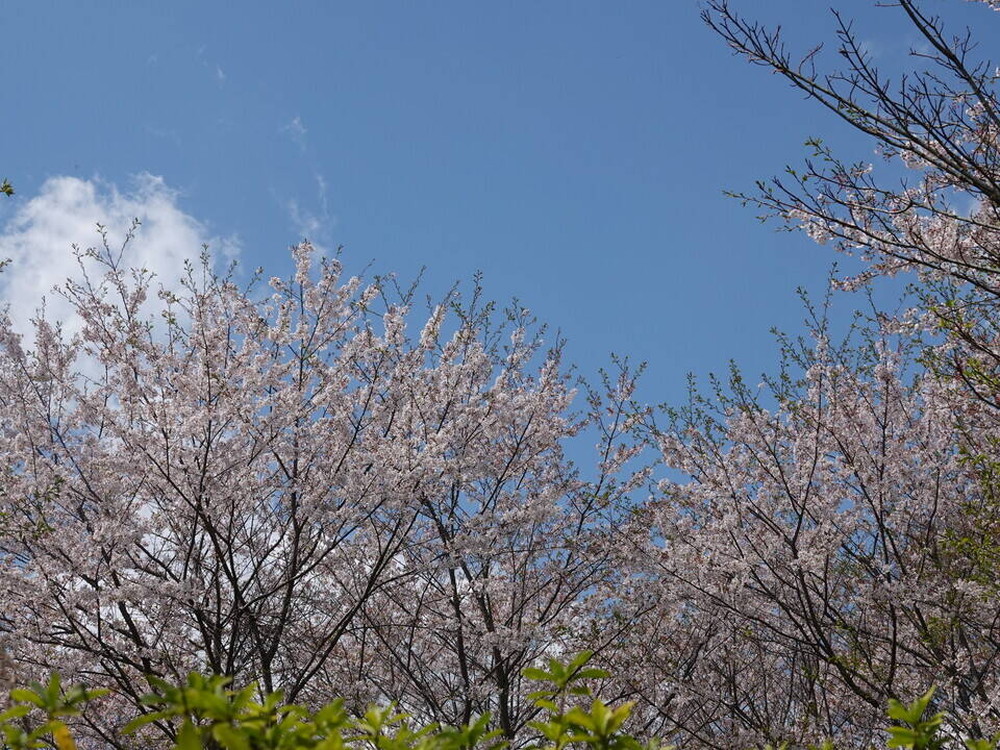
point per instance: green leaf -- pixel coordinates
(21, 695)
(188, 738)
(230, 737)
(533, 673)
(902, 737)
(15, 712)
(144, 719)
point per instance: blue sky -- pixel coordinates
(575, 152)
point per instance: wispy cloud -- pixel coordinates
(314, 224)
(168, 134)
(296, 130)
(214, 69)
(321, 193)
(39, 239)
(307, 225)
(871, 48)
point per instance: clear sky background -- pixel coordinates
(574, 151)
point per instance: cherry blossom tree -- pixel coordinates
(940, 122)
(831, 542)
(815, 560)
(289, 488)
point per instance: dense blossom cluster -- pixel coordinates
(823, 555)
(835, 540)
(290, 490)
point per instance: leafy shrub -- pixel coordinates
(205, 714)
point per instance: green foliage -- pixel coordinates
(918, 729)
(205, 714)
(598, 727)
(915, 729)
(563, 679)
(21, 726)
(6, 188)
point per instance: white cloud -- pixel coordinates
(295, 127)
(312, 225)
(40, 236)
(321, 192)
(165, 133)
(213, 67)
(296, 131)
(306, 224)
(871, 48)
